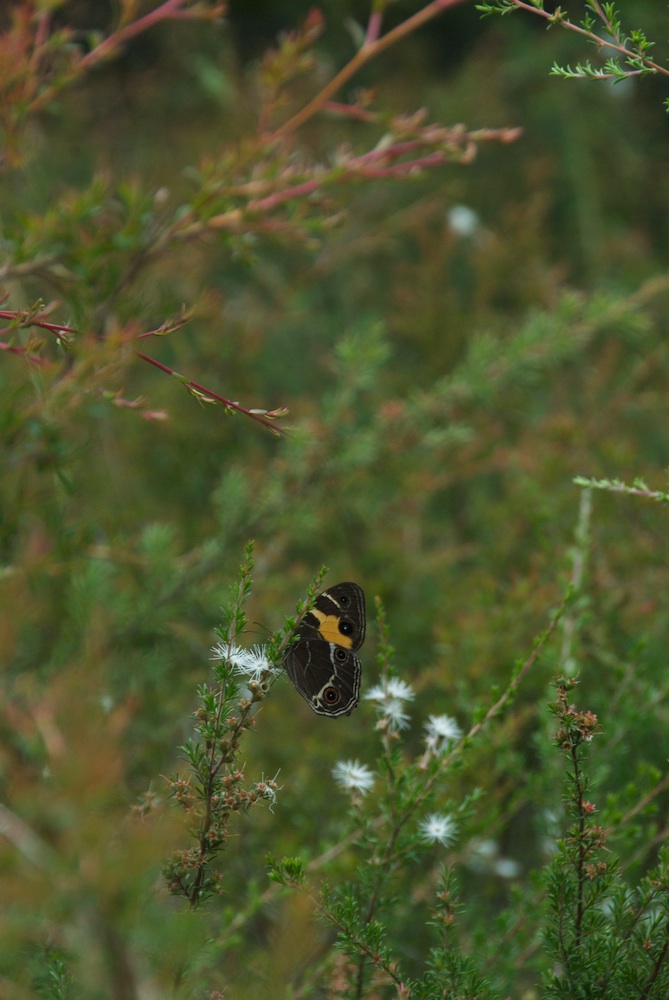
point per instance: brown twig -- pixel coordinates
(372, 47)
(206, 395)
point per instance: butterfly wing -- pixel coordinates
(337, 615)
(326, 675)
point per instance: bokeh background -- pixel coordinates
(453, 353)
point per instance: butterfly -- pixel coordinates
(322, 662)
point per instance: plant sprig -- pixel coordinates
(600, 26)
(638, 488)
(216, 788)
(606, 939)
(390, 833)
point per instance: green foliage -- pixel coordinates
(602, 26)
(52, 977)
(457, 335)
(605, 938)
(214, 789)
(638, 488)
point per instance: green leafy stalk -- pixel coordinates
(216, 789)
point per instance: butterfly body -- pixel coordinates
(322, 662)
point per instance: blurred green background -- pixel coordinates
(452, 354)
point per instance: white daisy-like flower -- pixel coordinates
(353, 776)
(392, 689)
(251, 663)
(486, 849)
(436, 829)
(392, 713)
(390, 696)
(441, 731)
(507, 868)
(482, 855)
(463, 220)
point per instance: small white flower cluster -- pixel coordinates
(438, 829)
(463, 220)
(358, 779)
(389, 697)
(250, 663)
(353, 776)
(441, 732)
(484, 857)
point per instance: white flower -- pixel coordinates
(463, 221)
(483, 855)
(486, 849)
(441, 731)
(507, 868)
(443, 727)
(353, 776)
(436, 829)
(252, 663)
(391, 689)
(390, 696)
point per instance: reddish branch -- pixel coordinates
(263, 417)
(62, 332)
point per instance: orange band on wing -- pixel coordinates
(328, 626)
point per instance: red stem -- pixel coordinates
(214, 395)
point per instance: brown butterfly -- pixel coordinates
(322, 662)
